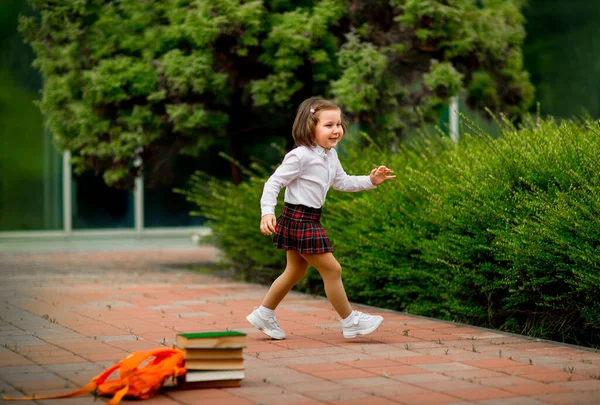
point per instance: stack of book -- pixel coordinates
(212, 359)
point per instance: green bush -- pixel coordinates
(501, 233)
(233, 212)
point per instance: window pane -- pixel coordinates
(30, 168)
(97, 206)
(163, 207)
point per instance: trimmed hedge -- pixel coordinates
(502, 233)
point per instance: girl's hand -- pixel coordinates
(380, 174)
(267, 224)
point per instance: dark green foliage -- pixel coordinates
(495, 232)
(561, 39)
(130, 81)
(247, 251)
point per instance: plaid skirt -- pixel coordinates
(298, 229)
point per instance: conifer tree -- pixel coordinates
(131, 80)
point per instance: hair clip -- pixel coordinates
(312, 110)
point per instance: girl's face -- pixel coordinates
(329, 130)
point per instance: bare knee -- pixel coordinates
(295, 273)
(332, 272)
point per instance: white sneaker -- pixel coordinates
(268, 326)
(361, 324)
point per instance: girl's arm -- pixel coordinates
(289, 169)
(343, 182)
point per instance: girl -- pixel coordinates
(307, 172)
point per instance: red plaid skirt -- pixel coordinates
(298, 229)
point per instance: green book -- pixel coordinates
(222, 340)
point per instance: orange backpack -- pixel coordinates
(135, 381)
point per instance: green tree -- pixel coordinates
(144, 80)
(562, 53)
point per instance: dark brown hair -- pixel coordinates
(306, 120)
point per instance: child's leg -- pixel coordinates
(295, 271)
(331, 272)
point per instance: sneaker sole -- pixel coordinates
(249, 319)
(372, 329)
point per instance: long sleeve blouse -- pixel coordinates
(307, 173)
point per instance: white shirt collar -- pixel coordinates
(320, 150)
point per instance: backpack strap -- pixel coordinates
(90, 387)
(126, 367)
(132, 362)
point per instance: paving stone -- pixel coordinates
(441, 367)
(474, 394)
(586, 385)
(427, 398)
(534, 389)
(511, 401)
(559, 376)
(373, 400)
(571, 398)
(67, 316)
(505, 381)
(340, 395)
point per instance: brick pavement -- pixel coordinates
(66, 316)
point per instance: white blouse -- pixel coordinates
(307, 173)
